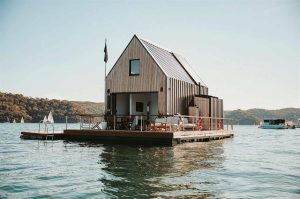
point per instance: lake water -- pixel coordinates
(255, 163)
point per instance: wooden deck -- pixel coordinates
(135, 137)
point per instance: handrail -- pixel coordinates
(139, 121)
(46, 126)
(87, 121)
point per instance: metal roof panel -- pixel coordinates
(168, 63)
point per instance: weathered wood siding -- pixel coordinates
(216, 110)
(180, 96)
(151, 78)
(209, 107)
(202, 103)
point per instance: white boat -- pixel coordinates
(22, 120)
(290, 125)
(273, 124)
(298, 125)
(7, 120)
(50, 118)
(45, 120)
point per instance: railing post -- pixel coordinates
(80, 122)
(89, 122)
(114, 122)
(193, 123)
(227, 124)
(66, 122)
(141, 123)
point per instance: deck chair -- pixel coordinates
(110, 122)
(97, 126)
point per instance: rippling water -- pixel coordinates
(255, 163)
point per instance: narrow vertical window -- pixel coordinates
(134, 67)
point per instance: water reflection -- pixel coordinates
(158, 171)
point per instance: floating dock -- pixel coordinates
(127, 136)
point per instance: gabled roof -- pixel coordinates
(172, 64)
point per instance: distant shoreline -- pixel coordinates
(33, 110)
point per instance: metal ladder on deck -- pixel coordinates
(46, 130)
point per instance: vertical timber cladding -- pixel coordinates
(150, 79)
(213, 111)
(216, 109)
(181, 96)
(209, 106)
(202, 103)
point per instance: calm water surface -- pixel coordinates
(255, 163)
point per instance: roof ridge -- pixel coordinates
(156, 45)
(161, 60)
(153, 57)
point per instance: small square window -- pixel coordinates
(139, 106)
(134, 67)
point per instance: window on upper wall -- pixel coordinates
(134, 67)
(139, 106)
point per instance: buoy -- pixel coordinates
(219, 126)
(199, 125)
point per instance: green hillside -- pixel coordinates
(242, 117)
(91, 107)
(16, 106)
(254, 116)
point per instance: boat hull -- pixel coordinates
(264, 126)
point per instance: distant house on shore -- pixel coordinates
(147, 79)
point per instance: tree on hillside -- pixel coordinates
(16, 106)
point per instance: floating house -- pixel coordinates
(148, 79)
(153, 97)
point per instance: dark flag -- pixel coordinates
(105, 53)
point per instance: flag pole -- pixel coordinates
(105, 82)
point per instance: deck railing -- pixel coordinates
(167, 123)
(155, 123)
(46, 127)
(90, 121)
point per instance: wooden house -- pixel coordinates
(147, 79)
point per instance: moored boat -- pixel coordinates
(298, 125)
(273, 124)
(290, 125)
(7, 120)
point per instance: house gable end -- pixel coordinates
(150, 79)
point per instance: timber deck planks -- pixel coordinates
(138, 137)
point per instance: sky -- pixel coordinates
(247, 52)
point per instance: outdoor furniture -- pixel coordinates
(110, 122)
(100, 125)
(96, 126)
(158, 127)
(127, 122)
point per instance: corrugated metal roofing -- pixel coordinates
(167, 61)
(189, 69)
